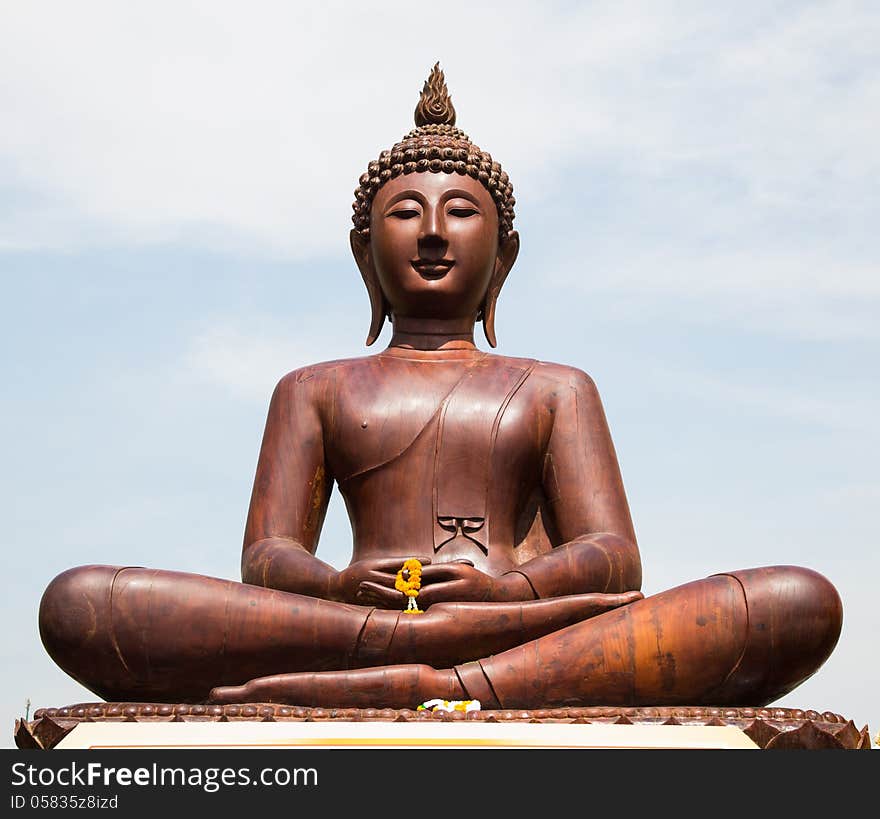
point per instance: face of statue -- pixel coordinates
(434, 244)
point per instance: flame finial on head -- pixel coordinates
(435, 105)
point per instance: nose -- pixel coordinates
(432, 239)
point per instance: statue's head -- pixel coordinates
(433, 222)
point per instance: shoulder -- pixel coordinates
(563, 379)
(314, 379)
(329, 369)
(556, 384)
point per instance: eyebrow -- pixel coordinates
(454, 193)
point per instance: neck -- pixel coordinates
(433, 334)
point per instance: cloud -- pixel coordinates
(858, 496)
(247, 358)
(723, 160)
(153, 120)
(799, 292)
(847, 412)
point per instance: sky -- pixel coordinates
(697, 200)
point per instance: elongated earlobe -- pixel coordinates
(488, 314)
(360, 247)
(507, 253)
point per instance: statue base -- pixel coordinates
(132, 724)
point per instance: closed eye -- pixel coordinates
(463, 213)
(404, 213)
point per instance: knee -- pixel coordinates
(795, 616)
(73, 609)
(794, 600)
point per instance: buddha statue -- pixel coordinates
(497, 474)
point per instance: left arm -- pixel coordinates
(586, 498)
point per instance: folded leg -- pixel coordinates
(743, 638)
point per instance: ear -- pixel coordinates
(508, 250)
(360, 248)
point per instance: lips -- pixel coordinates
(432, 268)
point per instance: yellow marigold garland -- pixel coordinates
(450, 705)
(409, 581)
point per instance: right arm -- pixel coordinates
(290, 496)
(289, 501)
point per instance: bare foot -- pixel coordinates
(400, 686)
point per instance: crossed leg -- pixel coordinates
(746, 637)
(743, 638)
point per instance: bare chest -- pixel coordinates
(467, 413)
